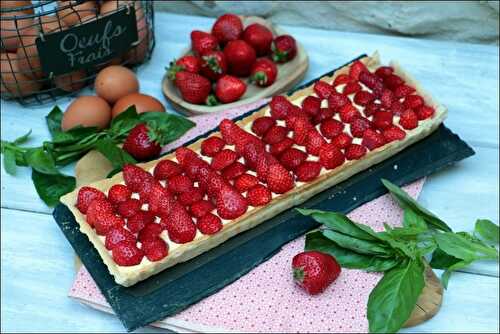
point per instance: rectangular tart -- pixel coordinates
(129, 275)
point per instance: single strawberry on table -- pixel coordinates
(213, 64)
(284, 48)
(202, 42)
(314, 271)
(264, 72)
(229, 89)
(227, 27)
(259, 37)
(188, 63)
(240, 57)
(194, 88)
(144, 142)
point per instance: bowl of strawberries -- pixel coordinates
(241, 60)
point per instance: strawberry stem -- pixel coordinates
(298, 274)
(173, 69)
(212, 100)
(259, 77)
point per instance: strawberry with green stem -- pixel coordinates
(284, 48)
(188, 63)
(264, 72)
(213, 64)
(145, 140)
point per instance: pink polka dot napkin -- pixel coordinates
(266, 299)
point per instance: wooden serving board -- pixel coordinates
(289, 75)
(94, 166)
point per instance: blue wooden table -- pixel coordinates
(38, 263)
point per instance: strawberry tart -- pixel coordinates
(157, 214)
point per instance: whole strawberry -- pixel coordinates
(229, 89)
(263, 72)
(240, 57)
(314, 271)
(194, 88)
(213, 64)
(202, 42)
(188, 63)
(142, 143)
(227, 27)
(284, 48)
(259, 37)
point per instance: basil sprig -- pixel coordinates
(399, 253)
(69, 146)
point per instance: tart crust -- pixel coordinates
(128, 276)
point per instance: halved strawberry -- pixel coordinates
(336, 101)
(223, 159)
(129, 207)
(355, 152)
(180, 184)
(189, 197)
(86, 195)
(359, 126)
(356, 69)
(408, 119)
(107, 222)
(166, 169)
(349, 113)
(259, 195)
(118, 193)
(425, 112)
(230, 203)
(275, 134)
(351, 88)
(314, 142)
(311, 105)
(330, 156)
(387, 98)
(324, 113)
(180, 226)
(201, 208)
(211, 146)
(393, 133)
(209, 224)
(397, 108)
(155, 249)
(279, 180)
(382, 119)
(342, 140)
(331, 128)
(341, 79)
(371, 108)
(384, 71)
(150, 232)
(301, 127)
(372, 139)
(278, 148)
(323, 89)
(292, 158)
(160, 201)
(413, 102)
(98, 209)
(392, 81)
(262, 124)
(137, 179)
(245, 182)
(126, 254)
(280, 106)
(234, 170)
(138, 221)
(116, 235)
(308, 171)
(403, 91)
(363, 97)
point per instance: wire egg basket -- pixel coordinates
(23, 77)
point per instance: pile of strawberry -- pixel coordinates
(211, 74)
(239, 169)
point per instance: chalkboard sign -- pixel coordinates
(88, 44)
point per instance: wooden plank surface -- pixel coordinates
(37, 262)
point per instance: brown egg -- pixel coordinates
(29, 61)
(13, 82)
(138, 53)
(115, 82)
(87, 111)
(76, 14)
(70, 82)
(12, 29)
(142, 102)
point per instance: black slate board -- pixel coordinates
(176, 288)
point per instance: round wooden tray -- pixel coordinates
(289, 75)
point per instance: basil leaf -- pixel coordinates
(487, 230)
(24, 138)
(41, 160)
(341, 223)
(117, 156)
(463, 247)
(357, 245)
(441, 260)
(392, 301)
(73, 135)
(347, 258)
(411, 219)
(408, 248)
(51, 187)
(9, 161)
(445, 277)
(168, 126)
(53, 120)
(124, 122)
(406, 202)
